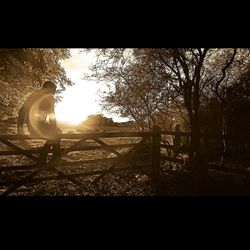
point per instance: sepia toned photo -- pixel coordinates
(124, 122)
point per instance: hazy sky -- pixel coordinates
(82, 99)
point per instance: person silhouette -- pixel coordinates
(39, 115)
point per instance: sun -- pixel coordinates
(65, 114)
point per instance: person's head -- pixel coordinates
(50, 86)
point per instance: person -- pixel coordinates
(39, 114)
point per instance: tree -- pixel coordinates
(226, 73)
(135, 91)
(25, 69)
(227, 113)
(191, 74)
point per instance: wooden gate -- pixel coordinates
(82, 142)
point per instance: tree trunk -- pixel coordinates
(195, 137)
(198, 158)
(223, 134)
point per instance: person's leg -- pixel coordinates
(53, 140)
(44, 154)
(56, 149)
(37, 131)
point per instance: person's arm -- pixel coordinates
(51, 112)
(23, 113)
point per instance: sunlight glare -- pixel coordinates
(79, 101)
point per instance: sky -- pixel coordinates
(81, 99)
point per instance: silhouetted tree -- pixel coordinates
(228, 113)
(225, 74)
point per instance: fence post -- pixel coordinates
(177, 140)
(156, 153)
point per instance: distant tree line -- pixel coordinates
(99, 120)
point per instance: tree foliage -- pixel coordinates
(135, 91)
(23, 70)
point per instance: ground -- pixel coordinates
(137, 183)
(127, 183)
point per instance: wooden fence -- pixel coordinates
(148, 145)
